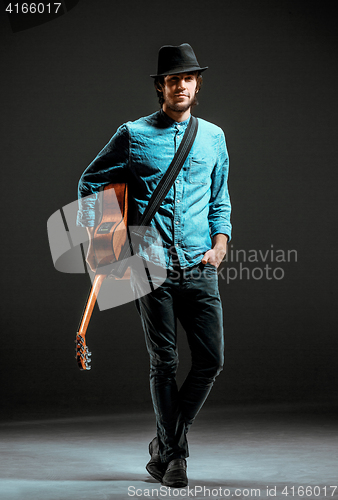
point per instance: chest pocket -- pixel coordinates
(199, 171)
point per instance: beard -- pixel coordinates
(180, 107)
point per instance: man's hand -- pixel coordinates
(90, 257)
(218, 251)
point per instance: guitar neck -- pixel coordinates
(86, 315)
(82, 353)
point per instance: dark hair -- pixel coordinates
(159, 83)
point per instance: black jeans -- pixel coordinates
(191, 296)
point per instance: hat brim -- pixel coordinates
(177, 71)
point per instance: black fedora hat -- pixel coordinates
(174, 59)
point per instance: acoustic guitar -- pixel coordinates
(109, 237)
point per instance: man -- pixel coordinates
(194, 224)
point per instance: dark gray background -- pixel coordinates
(272, 86)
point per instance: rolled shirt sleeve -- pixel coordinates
(219, 204)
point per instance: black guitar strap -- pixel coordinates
(160, 193)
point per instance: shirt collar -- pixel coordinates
(172, 122)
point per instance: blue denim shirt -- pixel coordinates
(197, 206)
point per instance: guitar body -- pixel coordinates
(111, 233)
(109, 237)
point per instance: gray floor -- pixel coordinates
(232, 453)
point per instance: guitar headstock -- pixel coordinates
(82, 353)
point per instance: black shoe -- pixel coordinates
(155, 467)
(176, 474)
